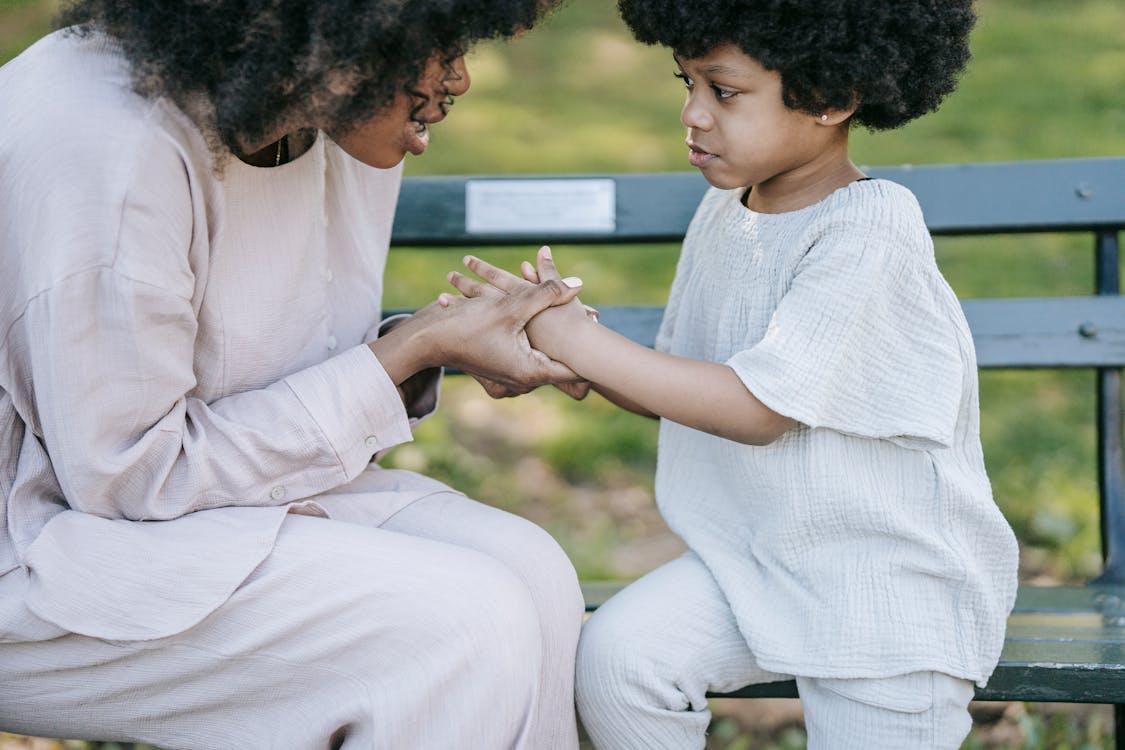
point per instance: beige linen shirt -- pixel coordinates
(182, 354)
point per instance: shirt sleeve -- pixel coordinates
(105, 356)
(864, 341)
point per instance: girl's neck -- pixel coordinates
(809, 183)
(797, 190)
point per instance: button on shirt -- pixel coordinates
(164, 347)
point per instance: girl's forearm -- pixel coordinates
(707, 396)
(620, 400)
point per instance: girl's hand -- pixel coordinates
(532, 274)
(580, 389)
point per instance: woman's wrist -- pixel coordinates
(405, 350)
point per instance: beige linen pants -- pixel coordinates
(648, 657)
(453, 625)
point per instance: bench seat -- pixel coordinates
(1064, 644)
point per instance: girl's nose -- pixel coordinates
(695, 114)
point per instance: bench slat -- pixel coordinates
(999, 197)
(1008, 197)
(1054, 332)
(1008, 333)
(1108, 600)
(1039, 683)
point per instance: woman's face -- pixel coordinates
(403, 127)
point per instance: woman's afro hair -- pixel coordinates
(244, 68)
(896, 59)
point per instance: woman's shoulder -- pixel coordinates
(66, 76)
(101, 164)
(69, 99)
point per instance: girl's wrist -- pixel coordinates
(570, 346)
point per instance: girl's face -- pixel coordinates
(739, 131)
(403, 127)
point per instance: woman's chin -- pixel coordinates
(381, 154)
(417, 140)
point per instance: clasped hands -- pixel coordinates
(543, 333)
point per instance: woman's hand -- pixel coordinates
(500, 283)
(483, 336)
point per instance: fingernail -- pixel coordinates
(572, 281)
(546, 252)
(467, 259)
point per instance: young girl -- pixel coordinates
(816, 380)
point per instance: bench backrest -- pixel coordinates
(1072, 195)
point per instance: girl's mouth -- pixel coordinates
(698, 157)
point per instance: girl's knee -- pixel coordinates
(609, 657)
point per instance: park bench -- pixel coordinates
(1064, 643)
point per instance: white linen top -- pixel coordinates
(865, 541)
(182, 356)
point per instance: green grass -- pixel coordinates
(576, 94)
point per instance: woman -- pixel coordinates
(196, 550)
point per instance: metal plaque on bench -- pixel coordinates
(533, 205)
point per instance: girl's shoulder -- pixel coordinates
(872, 200)
(873, 212)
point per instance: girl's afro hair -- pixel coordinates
(896, 59)
(244, 68)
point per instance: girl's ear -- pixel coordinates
(835, 117)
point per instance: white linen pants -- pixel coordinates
(648, 657)
(453, 625)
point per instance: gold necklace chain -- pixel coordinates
(283, 139)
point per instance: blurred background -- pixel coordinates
(577, 94)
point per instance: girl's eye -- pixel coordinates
(688, 83)
(722, 93)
